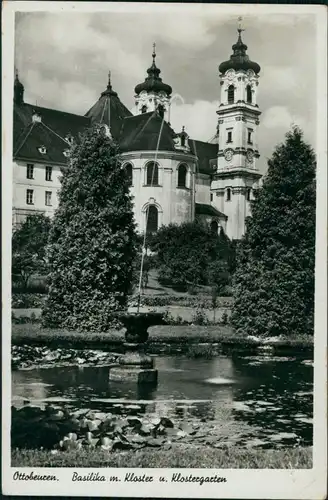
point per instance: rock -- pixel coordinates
(100, 416)
(155, 421)
(72, 436)
(145, 430)
(75, 424)
(88, 436)
(187, 428)
(167, 446)
(166, 422)
(134, 422)
(154, 442)
(93, 425)
(122, 445)
(84, 423)
(181, 434)
(105, 441)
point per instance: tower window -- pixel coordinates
(211, 196)
(29, 196)
(229, 136)
(48, 198)
(152, 219)
(231, 94)
(29, 171)
(249, 94)
(144, 109)
(248, 194)
(182, 176)
(48, 173)
(228, 197)
(152, 174)
(249, 136)
(129, 173)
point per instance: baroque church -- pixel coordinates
(173, 178)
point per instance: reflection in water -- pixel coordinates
(271, 395)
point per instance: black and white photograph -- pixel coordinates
(164, 250)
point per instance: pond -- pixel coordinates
(260, 400)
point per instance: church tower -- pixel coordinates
(153, 93)
(237, 172)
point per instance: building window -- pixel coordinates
(248, 194)
(152, 219)
(249, 94)
(29, 171)
(249, 136)
(152, 174)
(211, 196)
(129, 173)
(29, 196)
(231, 94)
(48, 198)
(182, 176)
(228, 198)
(48, 173)
(214, 226)
(229, 136)
(144, 109)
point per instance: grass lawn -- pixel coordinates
(33, 334)
(188, 457)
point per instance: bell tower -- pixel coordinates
(153, 94)
(237, 172)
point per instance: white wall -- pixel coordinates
(39, 186)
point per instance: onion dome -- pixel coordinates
(18, 90)
(153, 82)
(239, 59)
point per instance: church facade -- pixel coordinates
(173, 178)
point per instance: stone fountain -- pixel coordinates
(135, 365)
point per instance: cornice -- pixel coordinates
(134, 155)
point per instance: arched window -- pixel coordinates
(152, 219)
(129, 173)
(228, 194)
(183, 141)
(182, 176)
(152, 174)
(248, 194)
(214, 227)
(249, 94)
(144, 109)
(231, 94)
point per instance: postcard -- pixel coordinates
(164, 214)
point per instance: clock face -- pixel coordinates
(250, 156)
(228, 154)
(230, 75)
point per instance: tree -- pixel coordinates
(92, 242)
(274, 280)
(29, 248)
(190, 254)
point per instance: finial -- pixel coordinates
(240, 29)
(154, 52)
(109, 85)
(183, 128)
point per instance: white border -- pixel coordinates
(284, 484)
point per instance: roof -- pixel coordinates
(153, 82)
(50, 132)
(109, 110)
(204, 209)
(205, 152)
(145, 132)
(239, 59)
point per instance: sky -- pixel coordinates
(63, 60)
